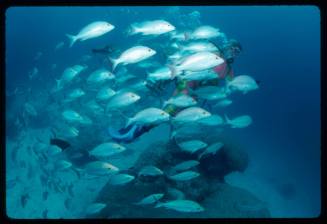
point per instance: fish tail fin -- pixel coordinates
(72, 39)
(159, 205)
(200, 156)
(129, 122)
(131, 30)
(187, 36)
(174, 71)
(180, 47)
(227, 119)
(114, 62)
(164, 104)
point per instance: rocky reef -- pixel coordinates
(219, 199)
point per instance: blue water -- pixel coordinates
(281, 48)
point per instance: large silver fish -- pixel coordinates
(95, 29)
(133, 55)
(181, 206)
(155, 27)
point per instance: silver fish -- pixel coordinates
(181, 206)
(192, 145)
(212, 149)
(151, 199)
(150, 171)
(120, 179)
(95, 29)
(185, 165)
(184, 176)
(239, 122)
(107, 149)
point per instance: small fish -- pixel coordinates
(86, 120)
(107, 149)
(192, 146)
(242, 83)
(175, 193)
(161, 74)
(120, 179)
(155, 27)
(190, 114)
(181, 206)
(198, 76)
(69, 74)
(59, 45)
(63, 165)
(199, 46)
(74, 94)
(100, 168)
(93, 30)
(210, 93)
(223, 103)
(149, 116)
(178, 36)
(94, 107)
(105, 94)
(53, 150)
(70, 132)
(181, 100)
(151, 199)
(121, 100)
(212, 149)
(185, 165)
(72, 116)
(30, 109)
(204, 32)
(150, 171)
(239, 122)
(184, 176)
(95, 208)
(100, 76)
(32, 74)
(198, 62)
(212, 120)
(133, 55)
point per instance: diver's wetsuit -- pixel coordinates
(129, 133)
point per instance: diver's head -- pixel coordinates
(231, 50)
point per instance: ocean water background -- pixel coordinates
(281, 48)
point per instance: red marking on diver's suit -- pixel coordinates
(224, 70)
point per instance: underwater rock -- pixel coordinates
(218, 198)
(229, 201)
(229, 159)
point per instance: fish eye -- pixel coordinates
(149, 50)
(162, 113)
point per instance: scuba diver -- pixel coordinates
(228, 51)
